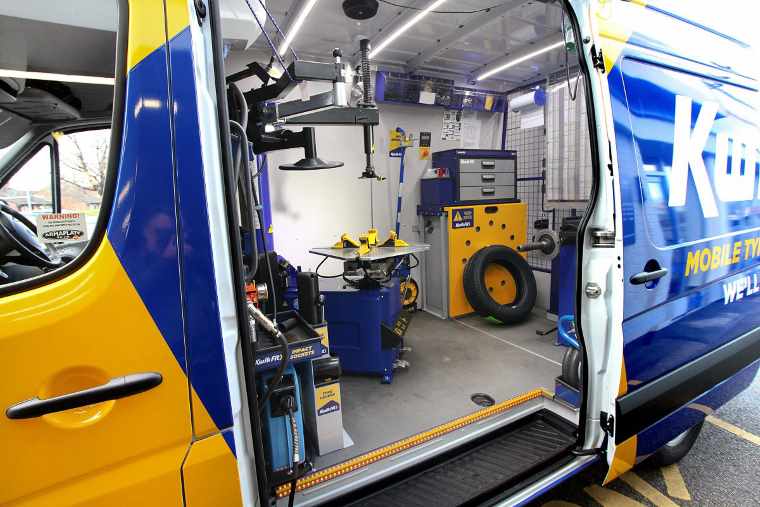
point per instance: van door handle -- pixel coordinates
(114, 389)
(648, 276)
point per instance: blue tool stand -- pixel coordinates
(303, 346)
(355, 319)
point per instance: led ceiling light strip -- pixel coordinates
(520, 59)
(406, 26)
(296, 26)
(47, 76)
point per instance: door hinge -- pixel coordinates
(597, 59)
(607, 422)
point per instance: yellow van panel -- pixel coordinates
(75, 333)
(147, 31)
(210, 474)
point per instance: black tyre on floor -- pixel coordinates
(477, 293)
(571, 367)
(673, 451)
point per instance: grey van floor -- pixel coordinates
(449, 361)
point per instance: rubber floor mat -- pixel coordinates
(478, 473)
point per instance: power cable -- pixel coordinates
(485, 9)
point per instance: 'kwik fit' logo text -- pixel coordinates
(731, 182)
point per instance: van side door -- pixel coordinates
(685, 113)
(94, 396)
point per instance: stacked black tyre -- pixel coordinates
(480, 298)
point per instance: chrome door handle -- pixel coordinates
(648, 276)
(114, 389)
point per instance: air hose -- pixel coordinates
(296, 454)
(271, 328)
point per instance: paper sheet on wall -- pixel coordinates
(531, 118)
(427, 97)
(470, 130)
(452, 126)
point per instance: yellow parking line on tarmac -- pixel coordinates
(746, 435)
(647, 490)
(702, 408)
(609, 498)
(674, 482)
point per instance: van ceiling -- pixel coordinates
(42, 46)
(478, 38)
(53, 37)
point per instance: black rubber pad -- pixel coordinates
(479, 472)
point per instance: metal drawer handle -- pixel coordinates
(488, 177)
(488, 190)
(488, 164)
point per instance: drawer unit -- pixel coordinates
(499, 192)
(486, 179)
(474, 176)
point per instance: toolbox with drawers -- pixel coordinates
(470, 177)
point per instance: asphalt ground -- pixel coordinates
(722, 469)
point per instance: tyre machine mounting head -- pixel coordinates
(266, 118)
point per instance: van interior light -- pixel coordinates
(406, 26)
(301, 17)
(519, 60)
(65, 78)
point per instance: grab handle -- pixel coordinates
(115, 388)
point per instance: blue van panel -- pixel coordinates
(659, 110)
(203, 329)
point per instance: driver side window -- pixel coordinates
(51, 203)
(83, 162)
(70, 179)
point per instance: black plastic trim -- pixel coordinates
(657, 399)
(55, 176)
(117, 128)
(119, 387)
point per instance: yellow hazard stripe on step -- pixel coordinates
(407, 443)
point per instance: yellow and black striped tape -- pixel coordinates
(362, 461)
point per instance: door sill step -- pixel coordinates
(472, 474)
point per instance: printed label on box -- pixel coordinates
(62, 227)
(462, 218)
